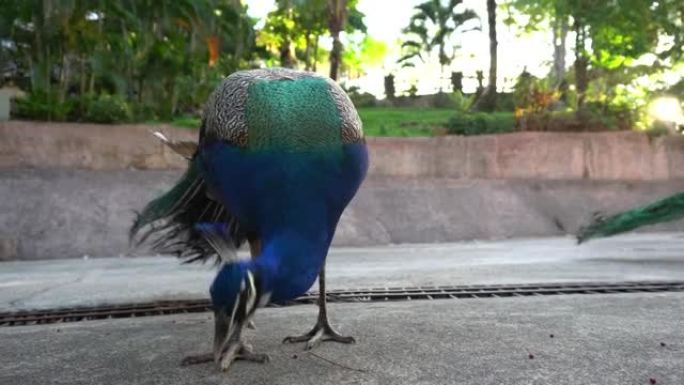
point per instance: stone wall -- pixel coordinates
(526, 155)
(71, 190)
(61, 213)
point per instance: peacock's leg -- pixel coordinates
(322, 331)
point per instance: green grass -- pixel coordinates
(380, 121)
(388, 121)
(186, 122)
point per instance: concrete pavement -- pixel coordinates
(598, 339)
(615, 339)
(633, 257)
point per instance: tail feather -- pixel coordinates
(185, 149)
(668, 209)
(169, 222)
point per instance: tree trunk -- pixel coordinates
(63, 78)
(581, 64)
(491, 17)
(335, 57)
(489, 96)
(487, 99)
(286, 59)
(314, 64)
(560, 33)
(337, 16)
(307, 52)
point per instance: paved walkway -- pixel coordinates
(617, 339)
(598, 339)
(74, 282)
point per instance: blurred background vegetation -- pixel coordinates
(616, 65)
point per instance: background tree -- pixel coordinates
(160, 56)
(361, 51)
(431, 27)
(311, 17)
(337, 18)
(609, 36)
(487, 100)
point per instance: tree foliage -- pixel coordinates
(162, 56)
(292, 31)
(612, 35)
(431, 27)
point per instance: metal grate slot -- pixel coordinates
(353, 295)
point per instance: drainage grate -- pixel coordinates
(355, 295)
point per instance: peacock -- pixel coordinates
(667, 209)
(280, 155)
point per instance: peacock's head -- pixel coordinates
(235, 295)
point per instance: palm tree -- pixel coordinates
(487, 100)
(431, 27)
(337, 17)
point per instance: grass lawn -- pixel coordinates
(388, 121)
(381, 121)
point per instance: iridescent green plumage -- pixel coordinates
(292, 115)
(668, 209)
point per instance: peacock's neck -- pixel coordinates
(290, 261)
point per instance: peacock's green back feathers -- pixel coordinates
(668, 209)
(259, 109)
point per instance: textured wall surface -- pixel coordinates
(71, 190)
(525, 155)
(71, 213)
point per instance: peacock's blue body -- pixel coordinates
(281, 153)
(293, 200)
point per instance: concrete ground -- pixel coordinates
(597, 339)
(77, 282)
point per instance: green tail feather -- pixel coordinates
(668, 209)
(170, 220)
(164, 205)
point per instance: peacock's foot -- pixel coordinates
(239, 352)
(197, 359)
(321, 332)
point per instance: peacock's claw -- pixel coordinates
(197, 359)
(321, 332)
(242, 352)
(246, 353)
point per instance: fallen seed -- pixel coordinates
(530, 356)
(663, 344)
(551, 335)
(294, 356)
(652, 381)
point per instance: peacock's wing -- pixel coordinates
(187, 221)
(668, 209)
